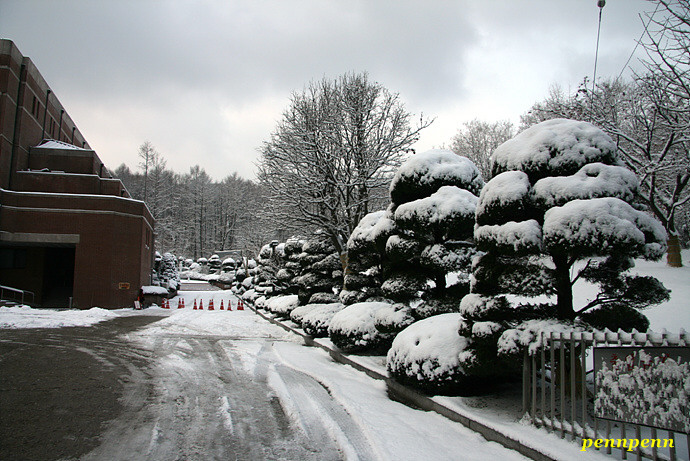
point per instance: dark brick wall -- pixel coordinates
(77, 197)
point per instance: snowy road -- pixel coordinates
(198, 385)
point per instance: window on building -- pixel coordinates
(12, 258)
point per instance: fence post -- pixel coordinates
(526, 383)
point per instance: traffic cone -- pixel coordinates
(201, 304)
(240, 305)
(179, 303)
(195, 308)
(182, 303)
(210, 305)
(221, 305)
(229, 304)
(165, 304)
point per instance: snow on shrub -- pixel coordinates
(259, 300)
(282, 305)
(426, 354)
(558, 209)
(603, 225)
(595, 180)
(433, 203)
(531, 335)
(555, 147)
(316, 320)
(653, 391)
(299, 312)
(440, 213)
(424, 173)
(353, 330)
(250, 295)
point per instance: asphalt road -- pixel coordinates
(90, 393)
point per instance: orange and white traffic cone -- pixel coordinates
(164, 304)
(195, 308)
(210, 305)
(221, 305)
(201, 304)
(179, 303)
(229, 304)
(240, 305)
(182, 303)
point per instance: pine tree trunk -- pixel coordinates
(564, 289)
(673, 257)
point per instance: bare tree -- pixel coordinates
(477, 140)
(667, 43)
(333, 150)
(147, 157)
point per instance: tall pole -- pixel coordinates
(600, 4)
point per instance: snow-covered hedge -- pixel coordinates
(282, 305)
(298, 312)
(427, 354)
(353, 328)
(316, 320)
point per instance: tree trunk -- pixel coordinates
(673, 257)
(564, 288)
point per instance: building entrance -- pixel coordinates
(58, 277)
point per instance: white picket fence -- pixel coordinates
(562, 401)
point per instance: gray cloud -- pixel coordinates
(206, 80)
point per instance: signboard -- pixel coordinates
(649, 386)
(124, 286)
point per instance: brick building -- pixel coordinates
(69, 232)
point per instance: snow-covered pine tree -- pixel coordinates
(365, 250)
(433, 195)
(559, 208)
(321, 277)
(168, 274)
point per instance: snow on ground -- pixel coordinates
(395, 430)
(27, 317)
(672, 315)
(675, 313)
(391, 430)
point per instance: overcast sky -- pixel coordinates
(206, 81)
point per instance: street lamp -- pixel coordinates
(600, 4)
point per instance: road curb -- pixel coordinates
(411, 397)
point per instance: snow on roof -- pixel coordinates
(55, 144)
(154, 290)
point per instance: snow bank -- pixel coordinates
(27, 317)
(237, 324)
(428, 351)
